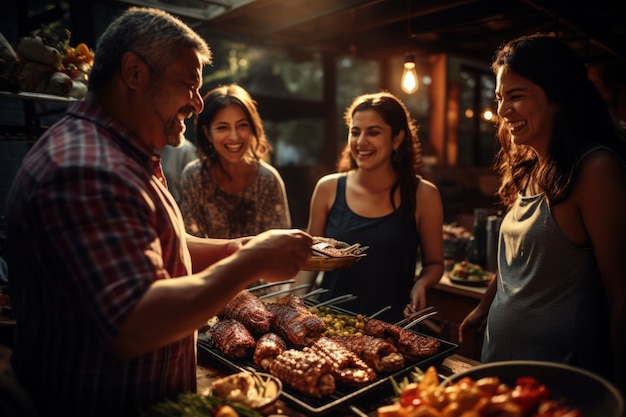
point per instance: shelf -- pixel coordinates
(25, 95)
(40, 111)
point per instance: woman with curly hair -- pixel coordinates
(378, 199)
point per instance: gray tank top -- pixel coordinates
(550, 304)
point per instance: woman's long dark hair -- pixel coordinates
(217, 99)
(407, 159)
(582, 119)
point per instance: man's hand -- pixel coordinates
(279, 254)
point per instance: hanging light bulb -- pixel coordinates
(409, 82)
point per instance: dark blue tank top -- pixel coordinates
(386, 275)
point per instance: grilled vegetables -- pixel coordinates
(304, 370)
(267, 348)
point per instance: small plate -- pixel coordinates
(268, 386)
(319, 263)
(471, 283)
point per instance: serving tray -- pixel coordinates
(343, 395)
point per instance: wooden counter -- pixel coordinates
(453, 302)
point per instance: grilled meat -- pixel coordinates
(232, 338)
(379, 354)
(267, 348)
(411, 345)
(293, 321)
(305, 371)
(249, 310)
(348, 368)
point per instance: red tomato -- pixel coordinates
(528, 393)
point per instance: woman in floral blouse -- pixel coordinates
(230, 191)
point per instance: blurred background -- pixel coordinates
(304, 61)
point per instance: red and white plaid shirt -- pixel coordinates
(91, 226)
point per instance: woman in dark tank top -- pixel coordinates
(378, 199)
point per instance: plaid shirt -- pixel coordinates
(91, 226)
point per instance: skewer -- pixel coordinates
(285, 291)
(314, 292)
(341, 299)
(408, 319)
(424, 317)
(379, 312)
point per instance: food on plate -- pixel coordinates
(232, 338)
(348, 368)
(249, 310)
(253, 390)
(379, 354)
(484, 397)
(329, 247)
(468, 271)
(411, 345)
(306, 371)
(329, 254)
(267, 348)
(293, 321)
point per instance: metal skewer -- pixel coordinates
(285, 291)
(408, 319)
(379, 312)
(341, 299)
(424, 317)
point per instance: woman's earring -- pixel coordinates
(396, 157)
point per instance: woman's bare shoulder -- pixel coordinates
(427, 187)
(601, 165)
(329, 180)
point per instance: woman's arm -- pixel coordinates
(429, 222)
(474, 321)
(600, 195)
(321, 201)
(277, 205)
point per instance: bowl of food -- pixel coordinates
(573, 387)
(467, 273)
(257, 390)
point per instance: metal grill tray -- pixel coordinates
(343, 395)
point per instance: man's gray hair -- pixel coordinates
(154, 35)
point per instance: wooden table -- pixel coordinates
(453, 302)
